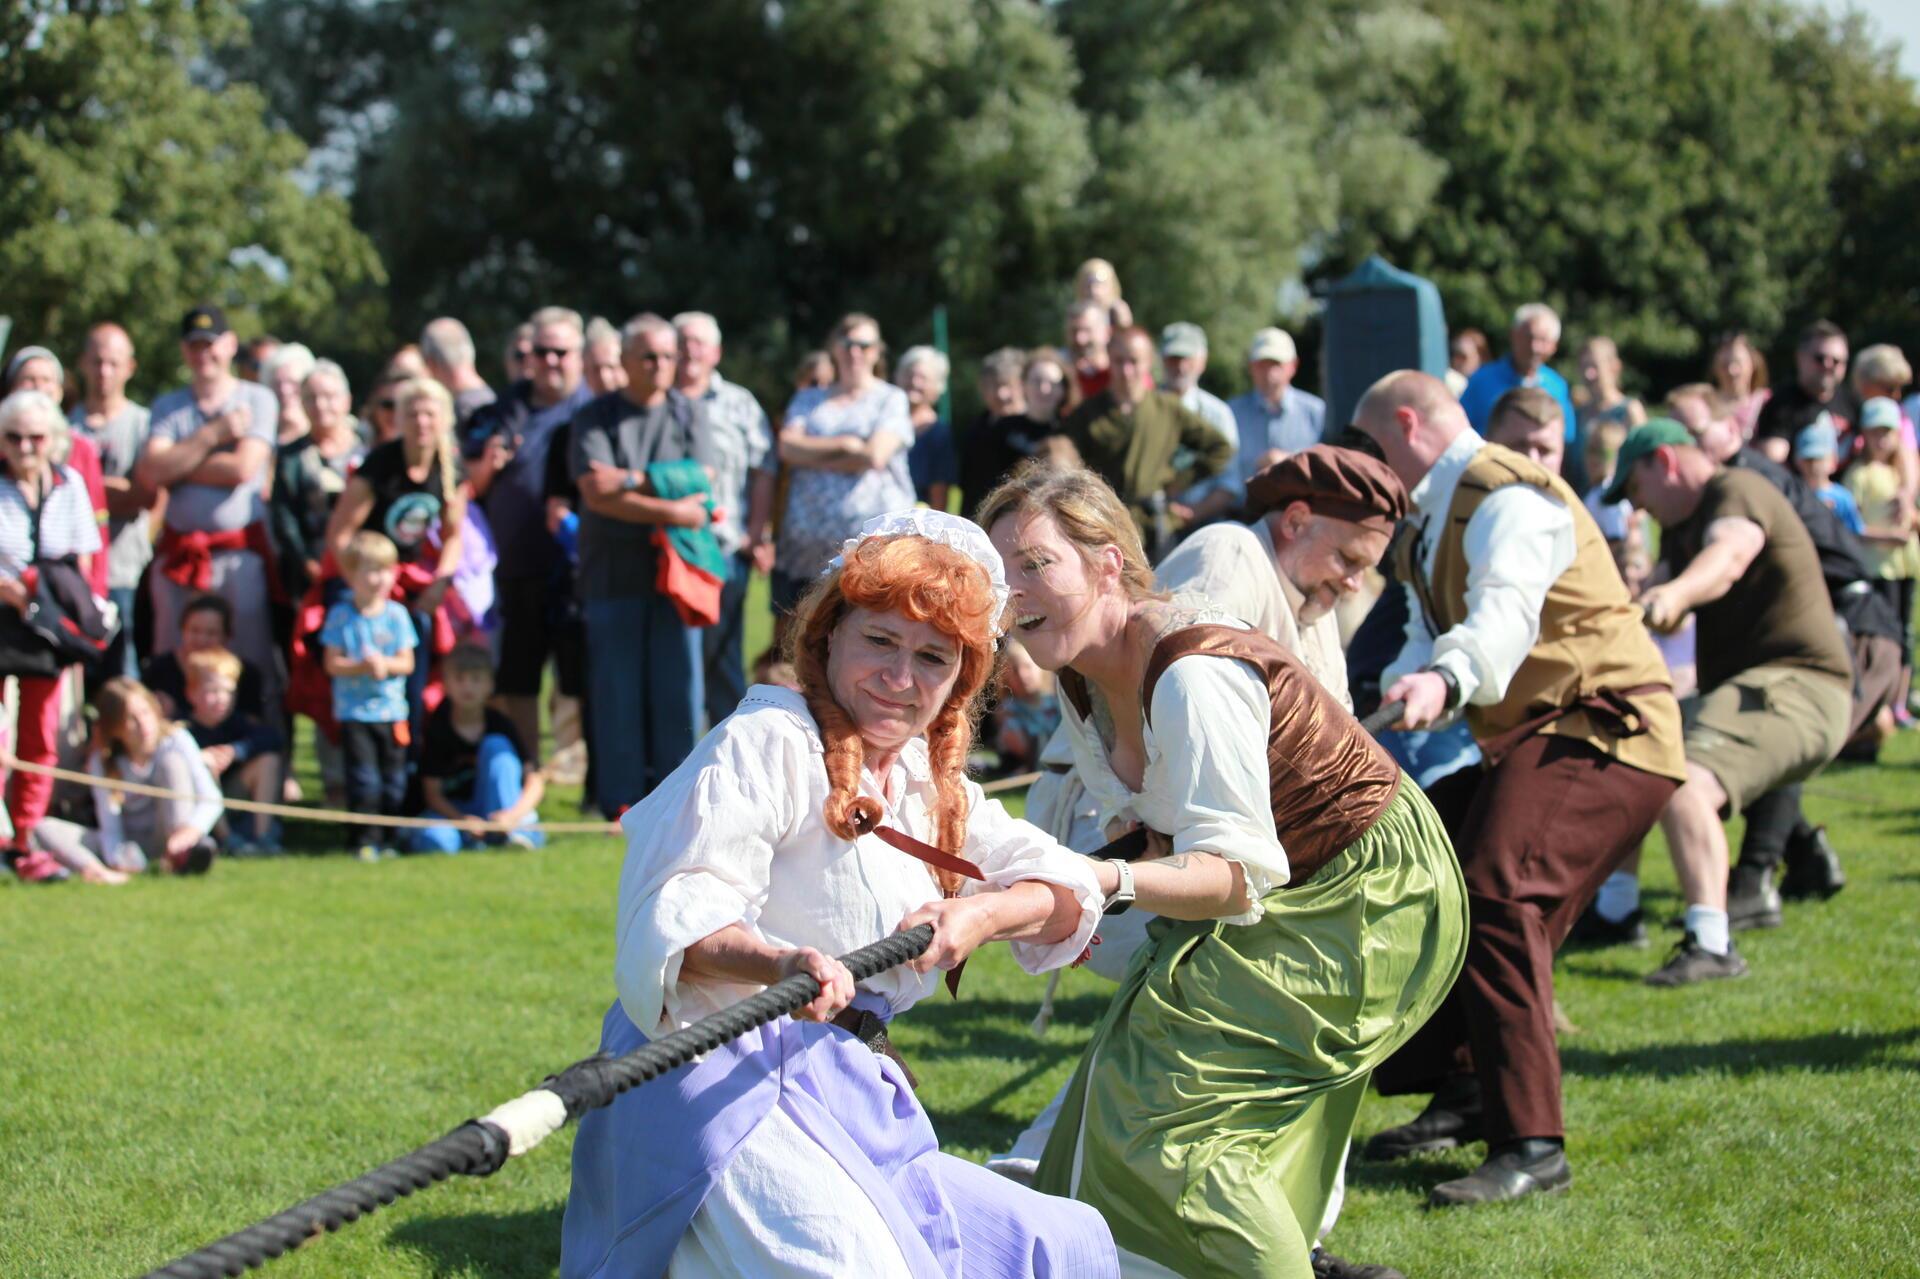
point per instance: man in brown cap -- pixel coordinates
(1519, 619)
(1320, 519)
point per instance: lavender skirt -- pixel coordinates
(643, 1166)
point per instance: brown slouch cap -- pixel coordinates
(1339, 483)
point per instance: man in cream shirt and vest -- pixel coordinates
(1518, 619)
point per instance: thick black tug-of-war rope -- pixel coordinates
(478, 1149)
(1384, 718)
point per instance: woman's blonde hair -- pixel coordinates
(1092, 269)
(1086, 509)
(922, 581)
(426, 388)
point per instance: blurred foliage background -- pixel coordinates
(339, 171)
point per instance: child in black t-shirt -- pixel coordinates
(239, 749)
(473, 766)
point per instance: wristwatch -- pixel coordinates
(630, 482)
(1122, 896)
(1452, 682)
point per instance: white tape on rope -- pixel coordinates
(528, 1119)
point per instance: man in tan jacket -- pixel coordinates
(1519, 621)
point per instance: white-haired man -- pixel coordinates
(643, 660)
(447, 348)
(1275, 418)
(739, 448)
(1531, 341)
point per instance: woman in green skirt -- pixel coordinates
(1313, 914)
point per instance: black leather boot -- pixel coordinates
(1530, 1166)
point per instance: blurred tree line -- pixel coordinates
(341, 170)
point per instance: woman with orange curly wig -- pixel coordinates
(800, 1149)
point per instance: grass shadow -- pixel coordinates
(1831, 1051)
(964, 1027)
(1414, 1176)
(514, 1245)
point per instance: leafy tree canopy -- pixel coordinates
(134, 180)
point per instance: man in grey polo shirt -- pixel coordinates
(118, 429)
(643, 662)
(210, 445)
(739, 448)
(1276, 418)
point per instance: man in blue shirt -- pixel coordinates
(1531, 342)
(1275, 418)
(506, 445)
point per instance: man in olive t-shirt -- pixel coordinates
(1776, 681)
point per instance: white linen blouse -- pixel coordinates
(1206, 781)
(735, 835)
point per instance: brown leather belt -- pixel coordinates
(872, 1031)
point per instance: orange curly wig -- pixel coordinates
(923, 581)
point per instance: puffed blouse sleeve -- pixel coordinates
(1008, 850)
(1214, 715)
(700, 853)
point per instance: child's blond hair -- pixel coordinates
(368, 549)
(212, 663)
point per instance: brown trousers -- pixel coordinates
(1537, 835)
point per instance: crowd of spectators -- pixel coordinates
(414, 567)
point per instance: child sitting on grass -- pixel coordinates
(473, 765)
(369, 642)
(135, 742)
(238, 749)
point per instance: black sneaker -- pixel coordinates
(1451, 1119)
(1690, 963)
(1328, 1266)
(1752, 900)
(1594, 930)
(1813, 867)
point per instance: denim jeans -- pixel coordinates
(643, 672)
(376, 777)
(497, 780)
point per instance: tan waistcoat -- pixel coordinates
(1594, 674)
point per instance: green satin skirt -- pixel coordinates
(1210, 1114)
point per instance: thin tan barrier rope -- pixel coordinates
(335, 815)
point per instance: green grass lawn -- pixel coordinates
(178, 1058)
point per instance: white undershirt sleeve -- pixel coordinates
(1517, 543)
(1211, 722)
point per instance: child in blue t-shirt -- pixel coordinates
(369, 642)
(1816, 455)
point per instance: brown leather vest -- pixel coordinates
(1329, 780)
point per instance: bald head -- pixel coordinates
(106, 365)
(1412, 417)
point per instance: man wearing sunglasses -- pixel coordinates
(507, 445)
(210, 446)
(1819, 386)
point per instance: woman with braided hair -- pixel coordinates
(805, 825)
